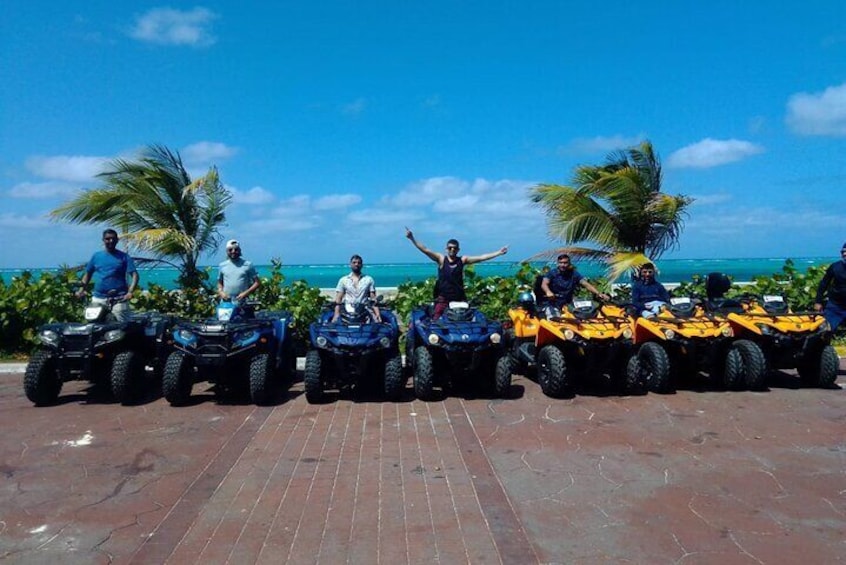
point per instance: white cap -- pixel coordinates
(232, 243)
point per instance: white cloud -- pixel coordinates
(712, 152)
(207, 152)
(166, 26)
(41, 190)
(66, 168)
(601, 144)
(336, 201)
(818, 113)
(19, 221)
(255, 195)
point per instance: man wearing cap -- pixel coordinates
(834, 283)
(237, 278)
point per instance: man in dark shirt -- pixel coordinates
(559, 285)
(450, 270)
(834, 283)
(648, 295)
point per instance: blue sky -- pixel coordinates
(335, 124)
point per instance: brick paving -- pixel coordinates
(700, 476)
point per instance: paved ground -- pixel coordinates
(699, 476)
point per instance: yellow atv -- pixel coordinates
(789, 340)
(696, 341)
(582, 339)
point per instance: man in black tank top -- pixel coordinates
(450, 283)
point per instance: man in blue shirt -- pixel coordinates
(648, 295)
(834, 284)
(559, 286)
(111, 266)
(237, 278)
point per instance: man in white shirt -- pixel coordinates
(355, 288)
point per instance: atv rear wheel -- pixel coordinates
(732, 376)
(394, 378)
(552, 372)
(635, 379)
(126, 376)
(41, 380)
(261, 375)
(502, 375)
(424, 374)
(177, 379)
(654, 365)
(754, 364)
(820, 370)
(313, 377)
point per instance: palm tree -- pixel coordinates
(158, 208)
(619, 207)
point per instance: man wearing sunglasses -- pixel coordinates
(833, 283)
(237, 278)
(450, 283)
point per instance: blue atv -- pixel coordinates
(461, 345)
(101, 350)
(354, 351)
(236, 343)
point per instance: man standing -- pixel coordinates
(111, 266)
(354, 288)
(237, 278)
(833, 283)
(450, 283)
(559, 285)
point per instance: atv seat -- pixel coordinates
(682, 308)
(725, 306)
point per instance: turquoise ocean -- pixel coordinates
(393, 274)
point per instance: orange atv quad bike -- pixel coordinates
(696, 341)
(789, 340)
(583, 339)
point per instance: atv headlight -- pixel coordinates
(569, 334)
(385, 341)
(113, 335)
(434, 339)
(765, 329)
(48, 336)
(627, 333)
(495, 338)
(321, 341)
(727, 331)
(669, 334)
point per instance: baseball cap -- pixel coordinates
(232, 243)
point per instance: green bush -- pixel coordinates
(26, 302)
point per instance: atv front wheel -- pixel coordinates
(424, 374)
(41, 380)
(820, 371)
(261, 374)
(654, 365)
(177, 379)
(552, 372)
(394, 378)
(126, 375)
(313, 377)
(502, 375)
(754, 364)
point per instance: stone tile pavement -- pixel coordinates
(699, 476)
